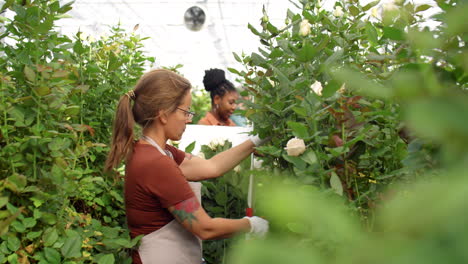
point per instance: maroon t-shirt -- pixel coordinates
(153, 182)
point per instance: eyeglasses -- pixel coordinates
(188, 114)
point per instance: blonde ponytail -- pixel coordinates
(122, 135)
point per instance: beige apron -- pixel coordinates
(172, 244)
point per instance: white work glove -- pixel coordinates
(258, 141)
(258, 226)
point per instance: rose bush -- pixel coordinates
(355, 137)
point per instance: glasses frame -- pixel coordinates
(188, 114)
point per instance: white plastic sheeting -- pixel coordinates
(225, 30)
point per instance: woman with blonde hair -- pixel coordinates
(162, 197)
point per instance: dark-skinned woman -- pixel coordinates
(223, 99)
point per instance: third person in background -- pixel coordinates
(223, 99)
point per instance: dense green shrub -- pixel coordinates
(57, 99)
(356, 136)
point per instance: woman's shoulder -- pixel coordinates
(145, 154)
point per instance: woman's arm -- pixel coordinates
(197, 169)
(194, 218)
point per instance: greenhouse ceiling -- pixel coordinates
(170, 41)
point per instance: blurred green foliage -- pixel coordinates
(418, 76)
(201, 104)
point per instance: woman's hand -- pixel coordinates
(258, 226)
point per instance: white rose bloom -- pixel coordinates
(304, 28)
(213, 144)
(221, 141)
(83, 36)
(216, 142)
(317, 88)
(295, 147)
(375, 12)
(390, 7)
(257, 163)
(338, 12)
(271, 82)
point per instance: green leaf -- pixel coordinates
(255, 31)
(190, 147)
(284, 80)
(59, 144)
(238, 59)
(331, 60)
(302, 111)
(107, 259)
(372, 34)
(353, 10)
(52, 255)
(5, 223)
(33, 235)
(221, 198)
(296, 161)
(110, 232)
(306, 53)
(13, 259)
(270, 150)
(422, 8)
(78, 48)
(30, 74)
(335, 184)
(50, 236)
(72, 110)
(135, 241)
(17, 114)
(309, 16)
(309, 157)
(370, 5)
(298, 129)
(393, 33)
(42, 90)
(29, 222)
(272, 29)
(49, 218)
(3, 201)
(257, 59)
(13, 243)
(72, 247)
(19, 181)
(330, 89)
(66, 7)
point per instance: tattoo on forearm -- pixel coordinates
(185, 209)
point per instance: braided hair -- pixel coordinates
(215, 82)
